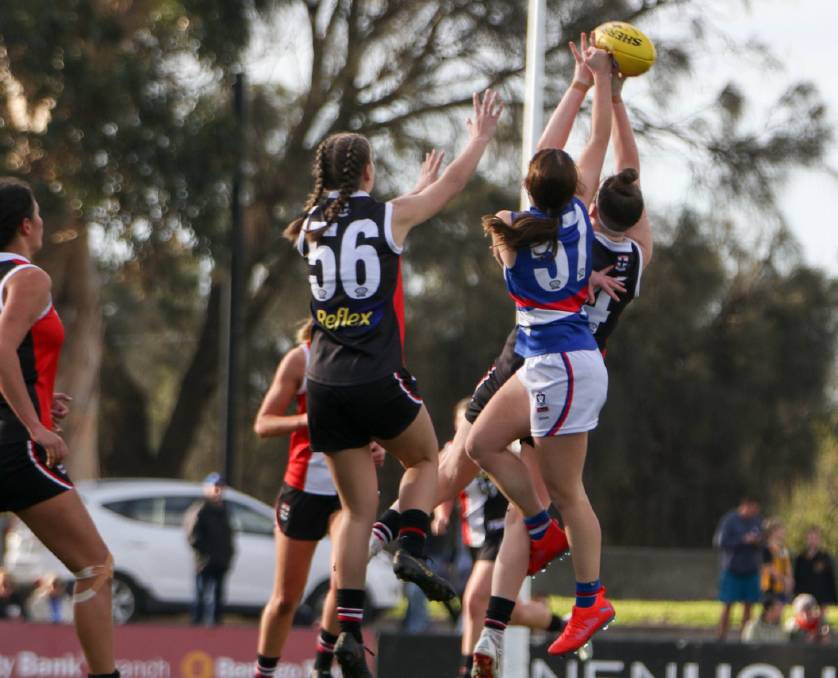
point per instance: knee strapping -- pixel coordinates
(100, 574)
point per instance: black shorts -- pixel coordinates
(490, 548)
(25, 478)
(303, 515)
(506, 364)
(344, 417)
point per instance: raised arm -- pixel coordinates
(412, 209)
(271, 421)
(593, 155)
(561, 121)
(627, 155)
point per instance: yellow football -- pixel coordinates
(631, 49)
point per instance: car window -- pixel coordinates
(145, 509)
(247, 520)
(176, 508)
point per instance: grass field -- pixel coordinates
(700, 614)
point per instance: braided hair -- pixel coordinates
(339, 164)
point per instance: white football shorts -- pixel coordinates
(567, 391)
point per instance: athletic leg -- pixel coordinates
(65, 528)
(475, 602)
(329, 628)
(293, 561)
(455, 471)
(417, 450)
(505, 418)
(562, 459)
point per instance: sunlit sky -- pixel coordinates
(789, 27)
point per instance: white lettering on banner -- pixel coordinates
(30, 664)
(596, 667)
(539, 669)
(7, 665)
(592, 669)
(639, 670)
(144, 668)
(760, 670)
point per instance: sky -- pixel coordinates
(789, 28)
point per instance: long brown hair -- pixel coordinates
(339, 164)
(619, 200)
(552, 181)
(303, 333)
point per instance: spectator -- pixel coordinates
(767, 627)
(50, 602)
(11, 601)
(808, 624)
(739, 538)
(210, 534)
(814, 572)
(777, 577)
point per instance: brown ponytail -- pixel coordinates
(339, 164)
(620, 201)
(552, 181)
(525, 231)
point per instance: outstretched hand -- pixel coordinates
(581, 72)
(600, 280)
(597, 60)
(429, 171)
(487, 111)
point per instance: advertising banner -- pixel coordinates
(150, 651)
(431, 656)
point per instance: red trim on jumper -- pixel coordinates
(468, 538)
(571, 304)
(299, 451)
(568, 399)
(47, 338)
(398, 304)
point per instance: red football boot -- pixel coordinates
(584, 623)
(552, 545)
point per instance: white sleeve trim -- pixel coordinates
(301, 239)
(18, 269)
(388, 228)
(640, 266)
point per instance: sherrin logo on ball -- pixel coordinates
(631, 49)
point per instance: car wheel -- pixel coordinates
(126, 599)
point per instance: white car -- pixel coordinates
(141, 521)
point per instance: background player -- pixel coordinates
(358, 389)
(33, 481)
(307, 508)
(482, 510)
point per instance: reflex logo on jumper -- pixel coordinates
(343, 318)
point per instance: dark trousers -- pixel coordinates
(209, 597)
